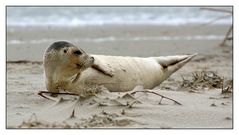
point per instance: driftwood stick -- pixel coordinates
(217, 10)
(157, 95)
(216, 19)
(227, 36)
(41, 93)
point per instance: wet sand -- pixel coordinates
(205, 108)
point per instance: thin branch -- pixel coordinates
(73, 114)
(41, 93)
(217, 10)
(216, 19)
(157, 95)
(160, 102)
(222, 85)
(227, 36)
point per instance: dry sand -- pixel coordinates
(201, 108)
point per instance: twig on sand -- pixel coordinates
(73, 114)
(130, 105)
(162, 97)
(41, 93)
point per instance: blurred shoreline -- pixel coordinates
(84, 16)
(29, 43)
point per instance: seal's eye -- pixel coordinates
(65, 51)
(77, 52)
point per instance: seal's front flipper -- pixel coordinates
(102, 69)
(101, 66)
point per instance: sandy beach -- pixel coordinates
(201, 107)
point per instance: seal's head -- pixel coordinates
(65, 60)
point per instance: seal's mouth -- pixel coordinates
(85, 64)
(80, 66)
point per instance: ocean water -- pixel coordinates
(83, 16)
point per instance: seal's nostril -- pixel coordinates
(92, 58)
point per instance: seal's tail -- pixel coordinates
(173, 63)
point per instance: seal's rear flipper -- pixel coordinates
(173, 63)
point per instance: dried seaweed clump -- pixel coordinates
(203, 79)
